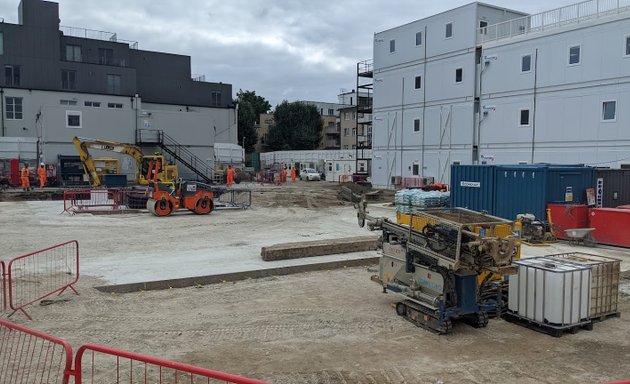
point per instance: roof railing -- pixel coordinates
(553, 19)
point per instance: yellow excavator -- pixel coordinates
(149, 168)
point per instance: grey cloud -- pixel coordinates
(282, 49)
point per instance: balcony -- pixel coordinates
(95, 35)
(554, 19)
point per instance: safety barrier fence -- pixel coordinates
(38, 275)
(107, 365)
(103, 200)
(233, 198)
(266, 177)
(28, 356)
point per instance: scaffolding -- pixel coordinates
(363, 121)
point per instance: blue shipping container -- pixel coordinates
(472, 187)
(520, 189)
(507, 190)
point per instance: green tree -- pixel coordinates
(259, 103)
(298, 126)
(246, 129)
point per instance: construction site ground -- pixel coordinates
(331, 326)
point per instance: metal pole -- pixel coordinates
(534, 108)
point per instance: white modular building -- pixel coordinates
(484, 84)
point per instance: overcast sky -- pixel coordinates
(282, 49)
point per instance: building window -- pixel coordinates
(105, 56)
(354, 115)
(459, 74)
(418, 38)
(113, 84)
(483, 27)
(416, 125)
(68, 102)
(627, 46)
(574, 55)
(354, 131)
(415, 169)
(346, 131)
(93, 104)
(346, 116)
(1, 43)
(526, 63)
(114, 105)
(449, 30)
(524, 117)
(13, 108)
(68, 79)
(609, 110)
(73, 53)
(73, 119)
(392, 46)
(12, 75)
(418, 82)
(216, 98)
(331, 112)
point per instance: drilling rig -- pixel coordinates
(446, 264)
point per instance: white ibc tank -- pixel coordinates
(551, 291)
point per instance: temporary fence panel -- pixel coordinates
(3, 285)
(103, 200)
(100, 364)
(234, 198)
(40, 274)
(28, 356)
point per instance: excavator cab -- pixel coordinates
(154, 169)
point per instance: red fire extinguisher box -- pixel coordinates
(567, 216)
(612, 226)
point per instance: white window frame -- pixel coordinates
(531, 62)
(452, 30)
(421, 39)
(419, 125)
(455, 78)
(390, 46)
(529, 117)
(414, 82)
(569, 55)
(415, 168)
(626, 40)
(483, 30)
(74, 113)
(614, 119)
(14, 113)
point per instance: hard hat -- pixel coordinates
(42, 164)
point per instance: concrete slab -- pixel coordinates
(287, 251)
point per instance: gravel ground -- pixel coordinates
(322, 327)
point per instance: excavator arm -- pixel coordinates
(84, 144)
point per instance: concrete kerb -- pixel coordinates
(298, 250)
(236, 276)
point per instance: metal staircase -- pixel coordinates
(179, 152)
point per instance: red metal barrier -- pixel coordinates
(103, 200)
(28, 356)
(266, 177)
(3, 285)
(108, 365)
(40, 274)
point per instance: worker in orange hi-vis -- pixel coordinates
(24, 176)
(284, 175)
(293, 174)
(230, 176)
(41, 172)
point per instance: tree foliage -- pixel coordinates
(259, 103)
(298, 126)
(250, 107)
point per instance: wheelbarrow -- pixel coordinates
(580, 235)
